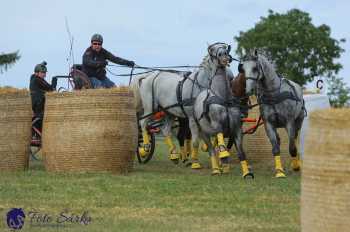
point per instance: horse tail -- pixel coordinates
(135, 85)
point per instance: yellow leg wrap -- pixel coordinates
(144, 151)
(172, 149)
(223, 153)
(170, 143)
(145, 137)
(214, 166)
(220, 137)
(188, 146)
(245, 169)
(204, 147)
(194, 158)
(278, 167)
(183, 153)
(295, 163)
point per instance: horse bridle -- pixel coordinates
(260, 70)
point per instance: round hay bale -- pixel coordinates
(325, 188)
(257, 146)
(15, 129)
(90, 130)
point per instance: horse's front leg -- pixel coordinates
(223, 153)
(166, 130)
(273, 137)
(246, 171)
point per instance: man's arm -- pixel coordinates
(42, 84)
(118, 60)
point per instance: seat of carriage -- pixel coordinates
(80, 79)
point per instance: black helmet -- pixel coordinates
(97, 37)
(41, 67)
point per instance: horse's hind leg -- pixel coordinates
(246, 171)
(146, 145)
(213, 158)
(166, 130)
(292, 131)
(273, 137)
(195, 144)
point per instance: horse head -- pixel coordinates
(220, 54)
(252, 70)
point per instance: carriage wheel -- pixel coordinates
(143, 160)
(80, 80)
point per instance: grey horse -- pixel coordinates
(281, 105)
(175, 94)
(217, 113)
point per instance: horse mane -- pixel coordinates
(206, 62)
(268, 65)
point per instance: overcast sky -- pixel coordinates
(152, 33)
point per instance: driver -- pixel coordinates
(95, 60)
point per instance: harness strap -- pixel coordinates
(179, 95)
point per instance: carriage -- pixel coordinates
(77, 80)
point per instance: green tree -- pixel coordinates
(300, 50)
(6, 60)
(338, 92)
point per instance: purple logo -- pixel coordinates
(15, 218)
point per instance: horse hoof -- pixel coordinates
(196, 165)
(225, 168)
(215, 172)
(248, 175)
(295, 165)
(280, 174)
(184, 161)
(174, 157)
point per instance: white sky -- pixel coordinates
(152, 33)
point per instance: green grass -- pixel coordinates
(158, 196)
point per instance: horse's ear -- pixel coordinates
(244, 53)
(255, 52)
(228, 48)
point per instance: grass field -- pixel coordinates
(158, 196)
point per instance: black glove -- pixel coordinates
(131, 64)
(54, 82)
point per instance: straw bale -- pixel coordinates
(15, 129)
(325, 189)
(90, 130)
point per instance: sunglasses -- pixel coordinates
(97, 44)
